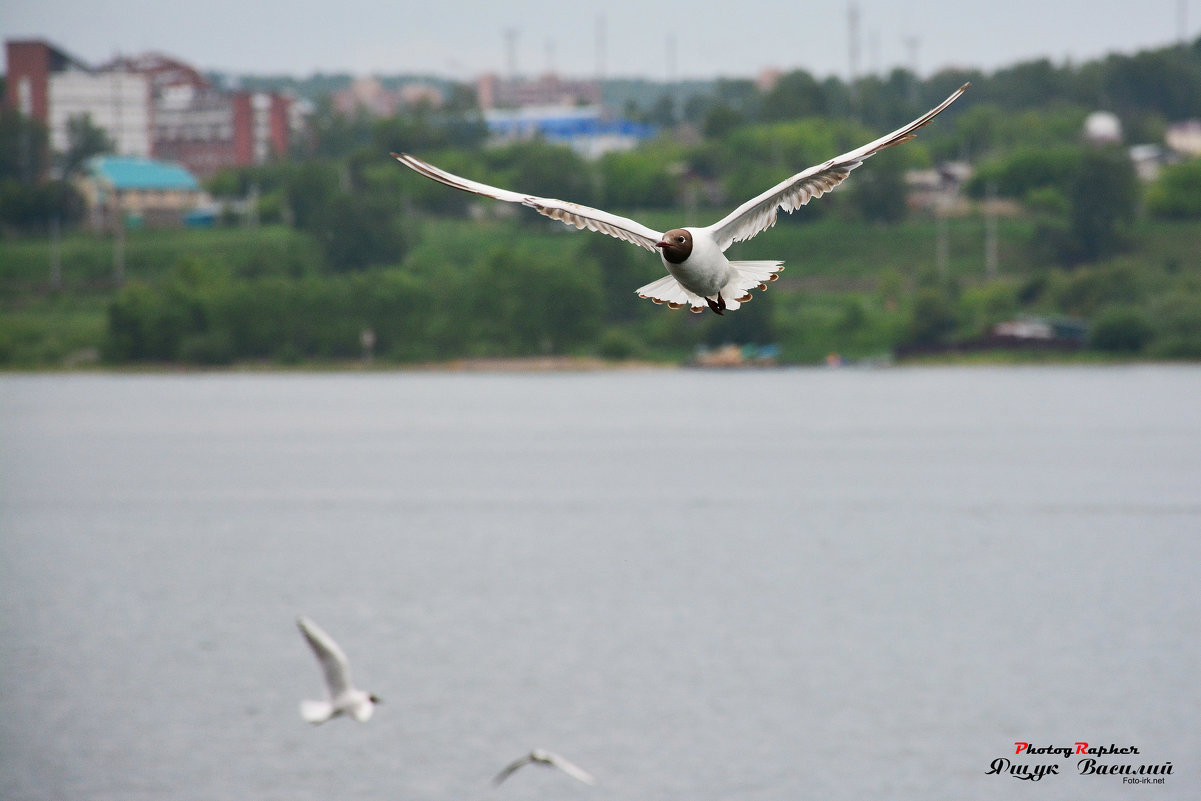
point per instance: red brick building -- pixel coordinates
(29, 64)
(206, 130)
(151, 105)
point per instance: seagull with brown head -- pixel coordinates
(698, 272)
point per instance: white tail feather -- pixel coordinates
(668, 290)
(753, 273)
(748, 275)
(316, 711)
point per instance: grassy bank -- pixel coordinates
(464, 286)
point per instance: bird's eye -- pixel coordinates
(680, 239)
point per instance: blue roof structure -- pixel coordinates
(132, 172)
(565, 127)
(562, 125)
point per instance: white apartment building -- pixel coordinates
(119, 102)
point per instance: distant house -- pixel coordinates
(371, 96)
(138, 191)
(1148, 159)
(494, 91)
(1184, 137)
(150, 105)
(939, 188)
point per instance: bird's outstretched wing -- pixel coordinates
(570, 769)
(759, 213)
(549, 759)
(333, 662)
(570, 213)
(511, 767)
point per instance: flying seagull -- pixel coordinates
(698, 272)
(344, 698)
(540, 757)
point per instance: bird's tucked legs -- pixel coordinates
(718, 305)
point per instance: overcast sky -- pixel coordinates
(659, 39)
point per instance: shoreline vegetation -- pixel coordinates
(533, 298)
(594, 364)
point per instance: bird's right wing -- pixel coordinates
(570, 213)
(571, 769)
(333, 662)
(510, 768)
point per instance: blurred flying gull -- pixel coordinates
(551, 760)
(698, 273)
(344, 698)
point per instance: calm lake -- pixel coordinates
(698, 586)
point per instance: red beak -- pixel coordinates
(660, 244)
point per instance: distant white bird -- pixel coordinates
(699, 273)
(344, 698)
(550, 760)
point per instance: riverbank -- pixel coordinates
(233, 297)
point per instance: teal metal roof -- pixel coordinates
(131, 172)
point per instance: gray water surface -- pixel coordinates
(699, 586)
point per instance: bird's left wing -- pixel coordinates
(759, 213)
(562, 210)
(334, 664)
(510, 768)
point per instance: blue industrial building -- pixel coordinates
(585, 129)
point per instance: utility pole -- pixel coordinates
(853, 43)
(990, 230)
(912, 43)
(252, 207)
(118, 223)
(56, 255)
(119, 251)
(511, 52)
(677, 109)
(853, 53)
(671, 59)
(600, 48)
(942, 245)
